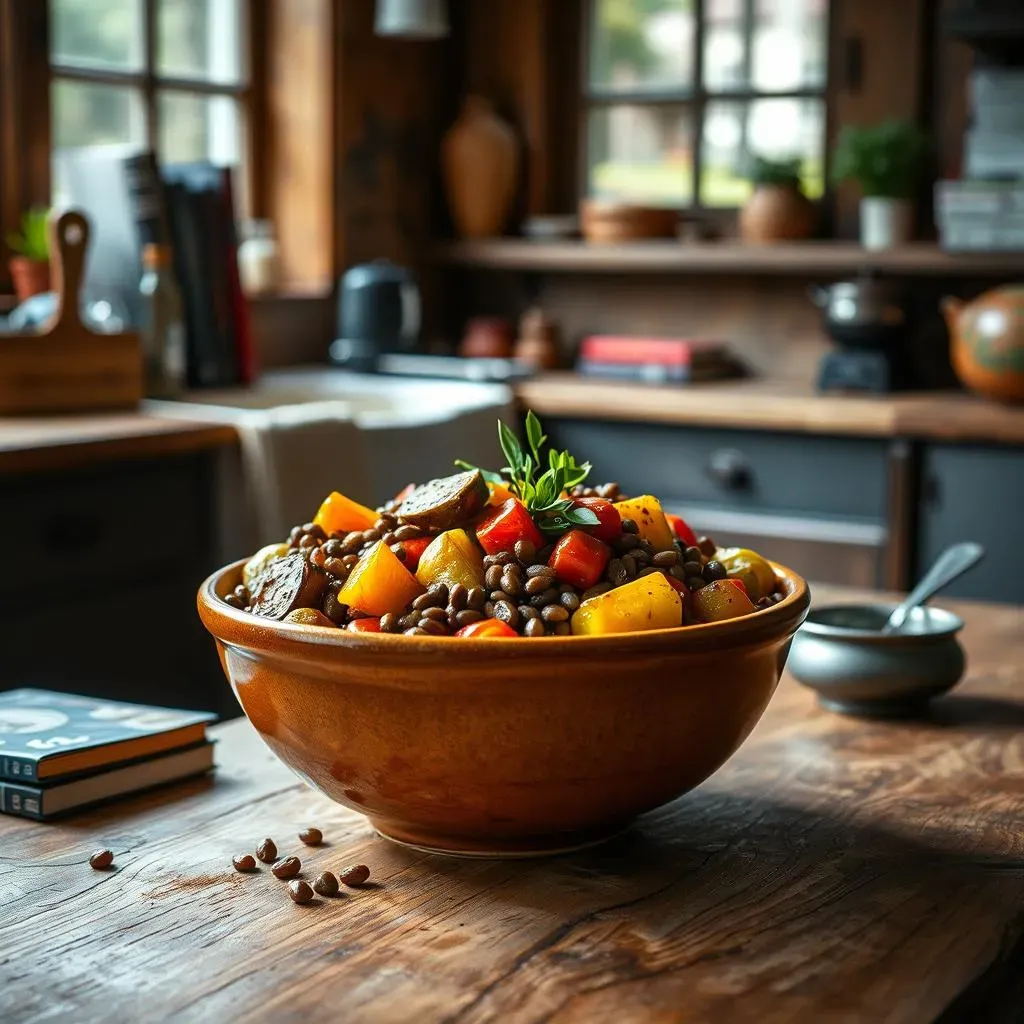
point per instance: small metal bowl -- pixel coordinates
(841, 653)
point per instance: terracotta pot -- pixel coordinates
(777, 213)
(503, 746)
(537, 344)
(480, 161)
(487, 338)
(30, 277)
(608, 222)
(987, 342)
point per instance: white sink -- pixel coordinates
(410, 429)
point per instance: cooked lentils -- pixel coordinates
(519, 587)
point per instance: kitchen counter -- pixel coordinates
(35, 443)
(767, 404)
(835, 869)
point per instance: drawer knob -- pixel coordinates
(730, 470)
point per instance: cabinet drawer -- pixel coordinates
(842, 477)
(73, 534)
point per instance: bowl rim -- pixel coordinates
(827, 631)
(241, 629)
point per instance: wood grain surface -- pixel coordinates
(834, 870)
(35, 443)
(768, 404)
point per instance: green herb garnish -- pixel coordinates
(541, 496)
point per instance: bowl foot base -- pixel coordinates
(910, 708)
(505, 848)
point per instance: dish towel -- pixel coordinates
(293, 456)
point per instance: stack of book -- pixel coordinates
(60, 752)
(655, 360)
(130, 201)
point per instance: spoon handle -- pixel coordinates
(954, 561)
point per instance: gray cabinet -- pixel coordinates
(98, 593)
(975, 492)
(824, 506)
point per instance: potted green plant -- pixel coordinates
(886, 160)
(777, 210)
(30, 266)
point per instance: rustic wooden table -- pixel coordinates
(834, 870)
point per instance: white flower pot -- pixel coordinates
(884, 223)
(412, 19)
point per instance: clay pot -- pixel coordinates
(30, 277)
(777, 213)
(607, 222)
(537, 344)
(480, 161)
(987, 342)
(487, 338)
(503, 746)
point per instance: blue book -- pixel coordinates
(46, 736)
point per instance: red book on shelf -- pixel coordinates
(608, 348)
(244, 346)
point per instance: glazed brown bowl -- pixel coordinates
(503, 747)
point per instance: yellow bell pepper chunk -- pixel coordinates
(650, 602)
(261, 560)
(719, 601)
(646, 512)
(750, 568)
(499, 493)
(339, 514)
(451, 557)
(379, 583)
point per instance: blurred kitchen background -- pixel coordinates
(763, 258)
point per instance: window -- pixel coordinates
(170, 75)
(681, 94)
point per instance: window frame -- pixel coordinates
(695, 99)
(149, 83)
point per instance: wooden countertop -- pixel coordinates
(834, 869)
(33, 443)
(765, 404)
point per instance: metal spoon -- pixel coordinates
(953, 562)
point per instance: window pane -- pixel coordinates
(641, 153)
(199, 128)
(642, 44)
(779, 129)
(200, 39)
(85, 114)
(97, 33)
(786, 48)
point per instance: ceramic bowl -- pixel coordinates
(503, 747)
(841, 654)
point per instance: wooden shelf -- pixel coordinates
(669, 257)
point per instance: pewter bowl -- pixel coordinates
(841, 653)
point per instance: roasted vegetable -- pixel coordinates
(339, 514)
(646, 512)
(260, 561)
(503, 526)
(723, 599)
(442, 504)
(647, 603)
(682, 529)
(579, 559)
(369, 625)
(750, 568)
(609, 522)
(379, 583)
(452, 558)
(286, 584)
(414, 549)
(308, 617)
(487, 628)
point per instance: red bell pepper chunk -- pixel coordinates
(609, 525)
(486, 628)
(740, 585)
(413, 549)
(678, 585)
(681, 528)
(364, 626)
(503, 526)
(579, 559)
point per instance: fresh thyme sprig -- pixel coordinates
(543, 495)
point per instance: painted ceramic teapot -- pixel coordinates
(987, 342)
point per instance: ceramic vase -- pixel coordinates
(480, 158)
(885, 223)
(777, 213)
(29, 277)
